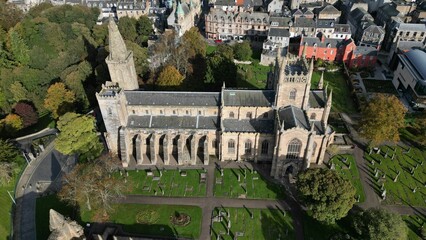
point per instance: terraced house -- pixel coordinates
(285, 125)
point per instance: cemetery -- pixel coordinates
(414, 223)
(398, 174)
(345, 165)
(247, 223)
(164, 182)
(244, 183)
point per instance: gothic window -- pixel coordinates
(187, 112)
(265, 147)
(174, 112)
(314, 147)
(265, 115)
(313, 116)
(199, 112)
(231, 115)
(161, 111)
(231, 146)
(292, 94)
(146, 112)
(247, 147)
(214, 143)
(133, 111)
(248, 115)
(293, 150)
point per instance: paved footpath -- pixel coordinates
(208, 203)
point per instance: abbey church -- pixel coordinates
(285, 125)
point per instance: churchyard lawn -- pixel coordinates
(403, 178)
(314, 230)
(5, 209)
(168, 183)
(342, 97)
(252, 224)
(414, 223)
(148, 220)
(233, 184)
(352, 173)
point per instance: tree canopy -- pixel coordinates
(377, 223)
(326, 194)
(26, 112)
(78, 136)
(170, 77)
(382, 117)
(59, 100)
(243, 51)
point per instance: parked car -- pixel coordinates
(218, 41)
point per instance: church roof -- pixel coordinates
(317, 99)
(248, 125)
(173, 122)
(172, 98)
(248, 98)
(293, 117)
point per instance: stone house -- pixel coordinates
(225, 25)
(397, 31)
(285, 125)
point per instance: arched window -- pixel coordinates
(248, 115)
(314, 148)
(231, 146)
(293, 150)
(247, 147)
(265, 147)
(313, 116)
(265, 115)
(231, 115)
(292, 94)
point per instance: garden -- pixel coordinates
(163, 182)
(398, 174)
(245, 223)
(245, 183)
(147, 220)
(346, 167)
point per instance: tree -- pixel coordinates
(127, 27)
(27, 113)
(170, 76)
(10, 15)
(144, 29)
(18, 48)
(59, 100)
(8, 152)
(326, 194)
(194, 43)
(376, 223)
(78, 136)
(382, 118)
(243, 51)
(19, 91)
(12, 123)
(92, 186)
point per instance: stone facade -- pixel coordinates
(185, 15)
(285, 125)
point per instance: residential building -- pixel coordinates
(328, 12)
(410, 77)
(285, 125)
(236, 25)
(372, 36)
(397, 31)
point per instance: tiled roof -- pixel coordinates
(252, 98)
(248, 125)
(293, 117)
(172, 98)
(317, 99)
(173, 122)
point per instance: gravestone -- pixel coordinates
(384, 194)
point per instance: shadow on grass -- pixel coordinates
(274, 226)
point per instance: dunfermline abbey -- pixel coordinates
(285, 125)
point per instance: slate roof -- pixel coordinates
(317, 99)
(417, 58)
(374, 29)
(246, 125)
(252, 98)
(334, 43)
(389, 9)
(359, 14)
(420, 27)
(173, 122)
(246, 3)
(304, 22)
(172, 98)
(278, 32)
(329, 9)
(282, 21)
(293, 117)
(318, 127)
(325, 23)
(365, 51)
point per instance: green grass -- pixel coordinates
(210, 49)
(43, 206)
(252, 76)
(171, 182)
(351, 174)
(125, 214)
(314, 230)
(414, 223)
(400, 192)
(342, 97)
(379, 86)
(256, 189)
(266, 224)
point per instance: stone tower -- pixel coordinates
(120, 60)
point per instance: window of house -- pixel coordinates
(293, 149)
(265, 147)
(231, 115)
(231, 146)
(292, 94)
(247, 147)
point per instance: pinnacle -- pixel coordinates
(117, 47)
